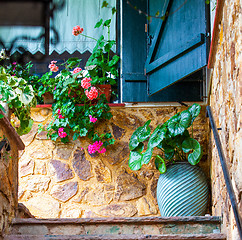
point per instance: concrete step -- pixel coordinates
(211, 236)
(117, 226)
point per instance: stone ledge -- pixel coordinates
(11, 131)
(211, 236)
(110, 105)
(138, 220)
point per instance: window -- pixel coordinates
(168, 61)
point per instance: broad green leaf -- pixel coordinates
(25, 126)
(147, 155)
(133, 142)
(194, 110)
(160, 164)
(178, 124)
(157, 136)
(139, 135)
(135, 160)
(193, 145)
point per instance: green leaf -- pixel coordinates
(83, 132)
(114, 60)
(105, 4)
(68, 81)
(178, 124)
(193, 145)
(1, 116)
(107, 23)
(194, 110)
(114, 10)
(147, 155)
(139, 135)
(135, 160)
(160, 164)
(157, 136)
(133, 142)
(99, 23)
(75, 136)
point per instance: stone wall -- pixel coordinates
(8, 175)
(226, 100)
(63, 180)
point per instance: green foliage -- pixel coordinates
(18, 94)
(172, 138)
(72, 110)
(102, 65)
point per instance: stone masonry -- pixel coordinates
(63, 180)
(226, 104)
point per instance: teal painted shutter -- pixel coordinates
(178, 51)
(134, 52)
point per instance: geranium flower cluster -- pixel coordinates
(77, 69)
(53, 67)
(77, 30)
(59, 114)
(95, 147)
(61, 133)
(92, 93)
(92, 119)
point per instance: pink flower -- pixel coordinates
(95, 147)
(76, 70)
(102, 151)
(55, 88)
(91, 149)
(77, 30)
(92, 94)
(14, 63)
(53, 67)
(92, 119)
(85, 83)
(61, 133)
(59, 111)
(61, 117)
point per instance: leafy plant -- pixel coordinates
(102, 67)
(19, 95)
(71, 119)
(172, 138)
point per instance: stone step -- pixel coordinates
(117, 226)
(211, 236)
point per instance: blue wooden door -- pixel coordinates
(178, 50)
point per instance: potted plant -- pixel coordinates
(74, 112)
(182, 187)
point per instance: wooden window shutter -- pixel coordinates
(133, 52)
(178, 50)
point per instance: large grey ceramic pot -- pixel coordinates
(182, 191)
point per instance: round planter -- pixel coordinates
(182, 191)
(105, 89)
(48, 98)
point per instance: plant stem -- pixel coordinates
(88, 37)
